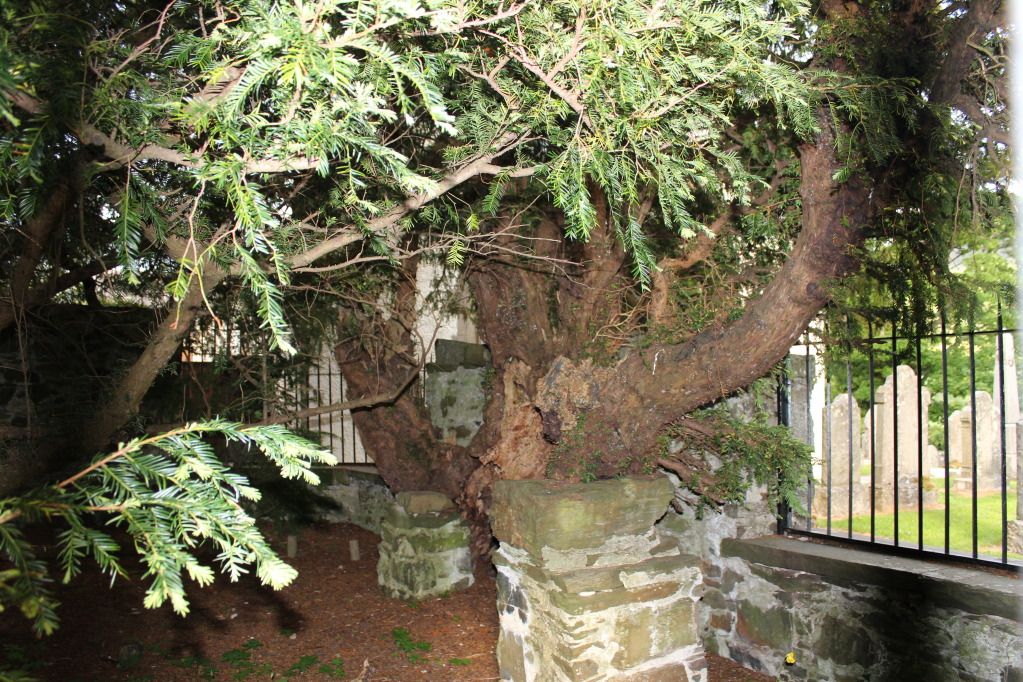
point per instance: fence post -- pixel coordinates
(783, 407)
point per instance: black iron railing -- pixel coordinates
(914, 441)
(243, 381)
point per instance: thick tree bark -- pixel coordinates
(579, 419)
(595, 420)
(377, 359)
(126, 396)
(630, 404)
(405, 445)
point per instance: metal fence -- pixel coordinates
(914, 439)
(322, 384)
(220, 374)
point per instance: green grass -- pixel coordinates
(989, 524)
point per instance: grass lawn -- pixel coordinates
(989, 525)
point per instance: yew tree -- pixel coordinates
(647, 202)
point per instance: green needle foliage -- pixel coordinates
(249, 133)
(176, 502)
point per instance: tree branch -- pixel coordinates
(123, 154)
(385, 398)
(520, 55)
(453, 179)
(37, 233)
(44, 292)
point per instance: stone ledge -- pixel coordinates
(975, 591)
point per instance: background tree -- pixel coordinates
(648, 202)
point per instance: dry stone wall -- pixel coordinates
(845, 615)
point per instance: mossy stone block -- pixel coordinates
(424, 502)
(768, 627)
(532, 515)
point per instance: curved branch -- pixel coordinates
(38, 230)
(389, 220)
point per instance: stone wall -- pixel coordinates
(845, 614)
(589, 589)
(850, 615)
(362, 497)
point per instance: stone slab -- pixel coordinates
(424, 502)
(450, 354)
(397, 517)
(674, 672)
(535, 514)
(611, 577)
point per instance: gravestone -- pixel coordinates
(842, 457)
(960, 443)
(899, 428)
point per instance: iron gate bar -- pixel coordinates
(809, 433)
(827, 450)
(853, 466)
(895, 431)
(973, 435)
(782, 393)
(944, 393)
(873, 434)
(1000, 374)
(920, 417)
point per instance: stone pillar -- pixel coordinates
(588, 589)
(424, 548)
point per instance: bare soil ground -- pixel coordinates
(332, 623)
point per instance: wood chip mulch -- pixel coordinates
(332, 623)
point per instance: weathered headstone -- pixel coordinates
(899, 429)
(842, 457)
(961, 429)
(588, 589)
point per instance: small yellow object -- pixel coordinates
(790, 658)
